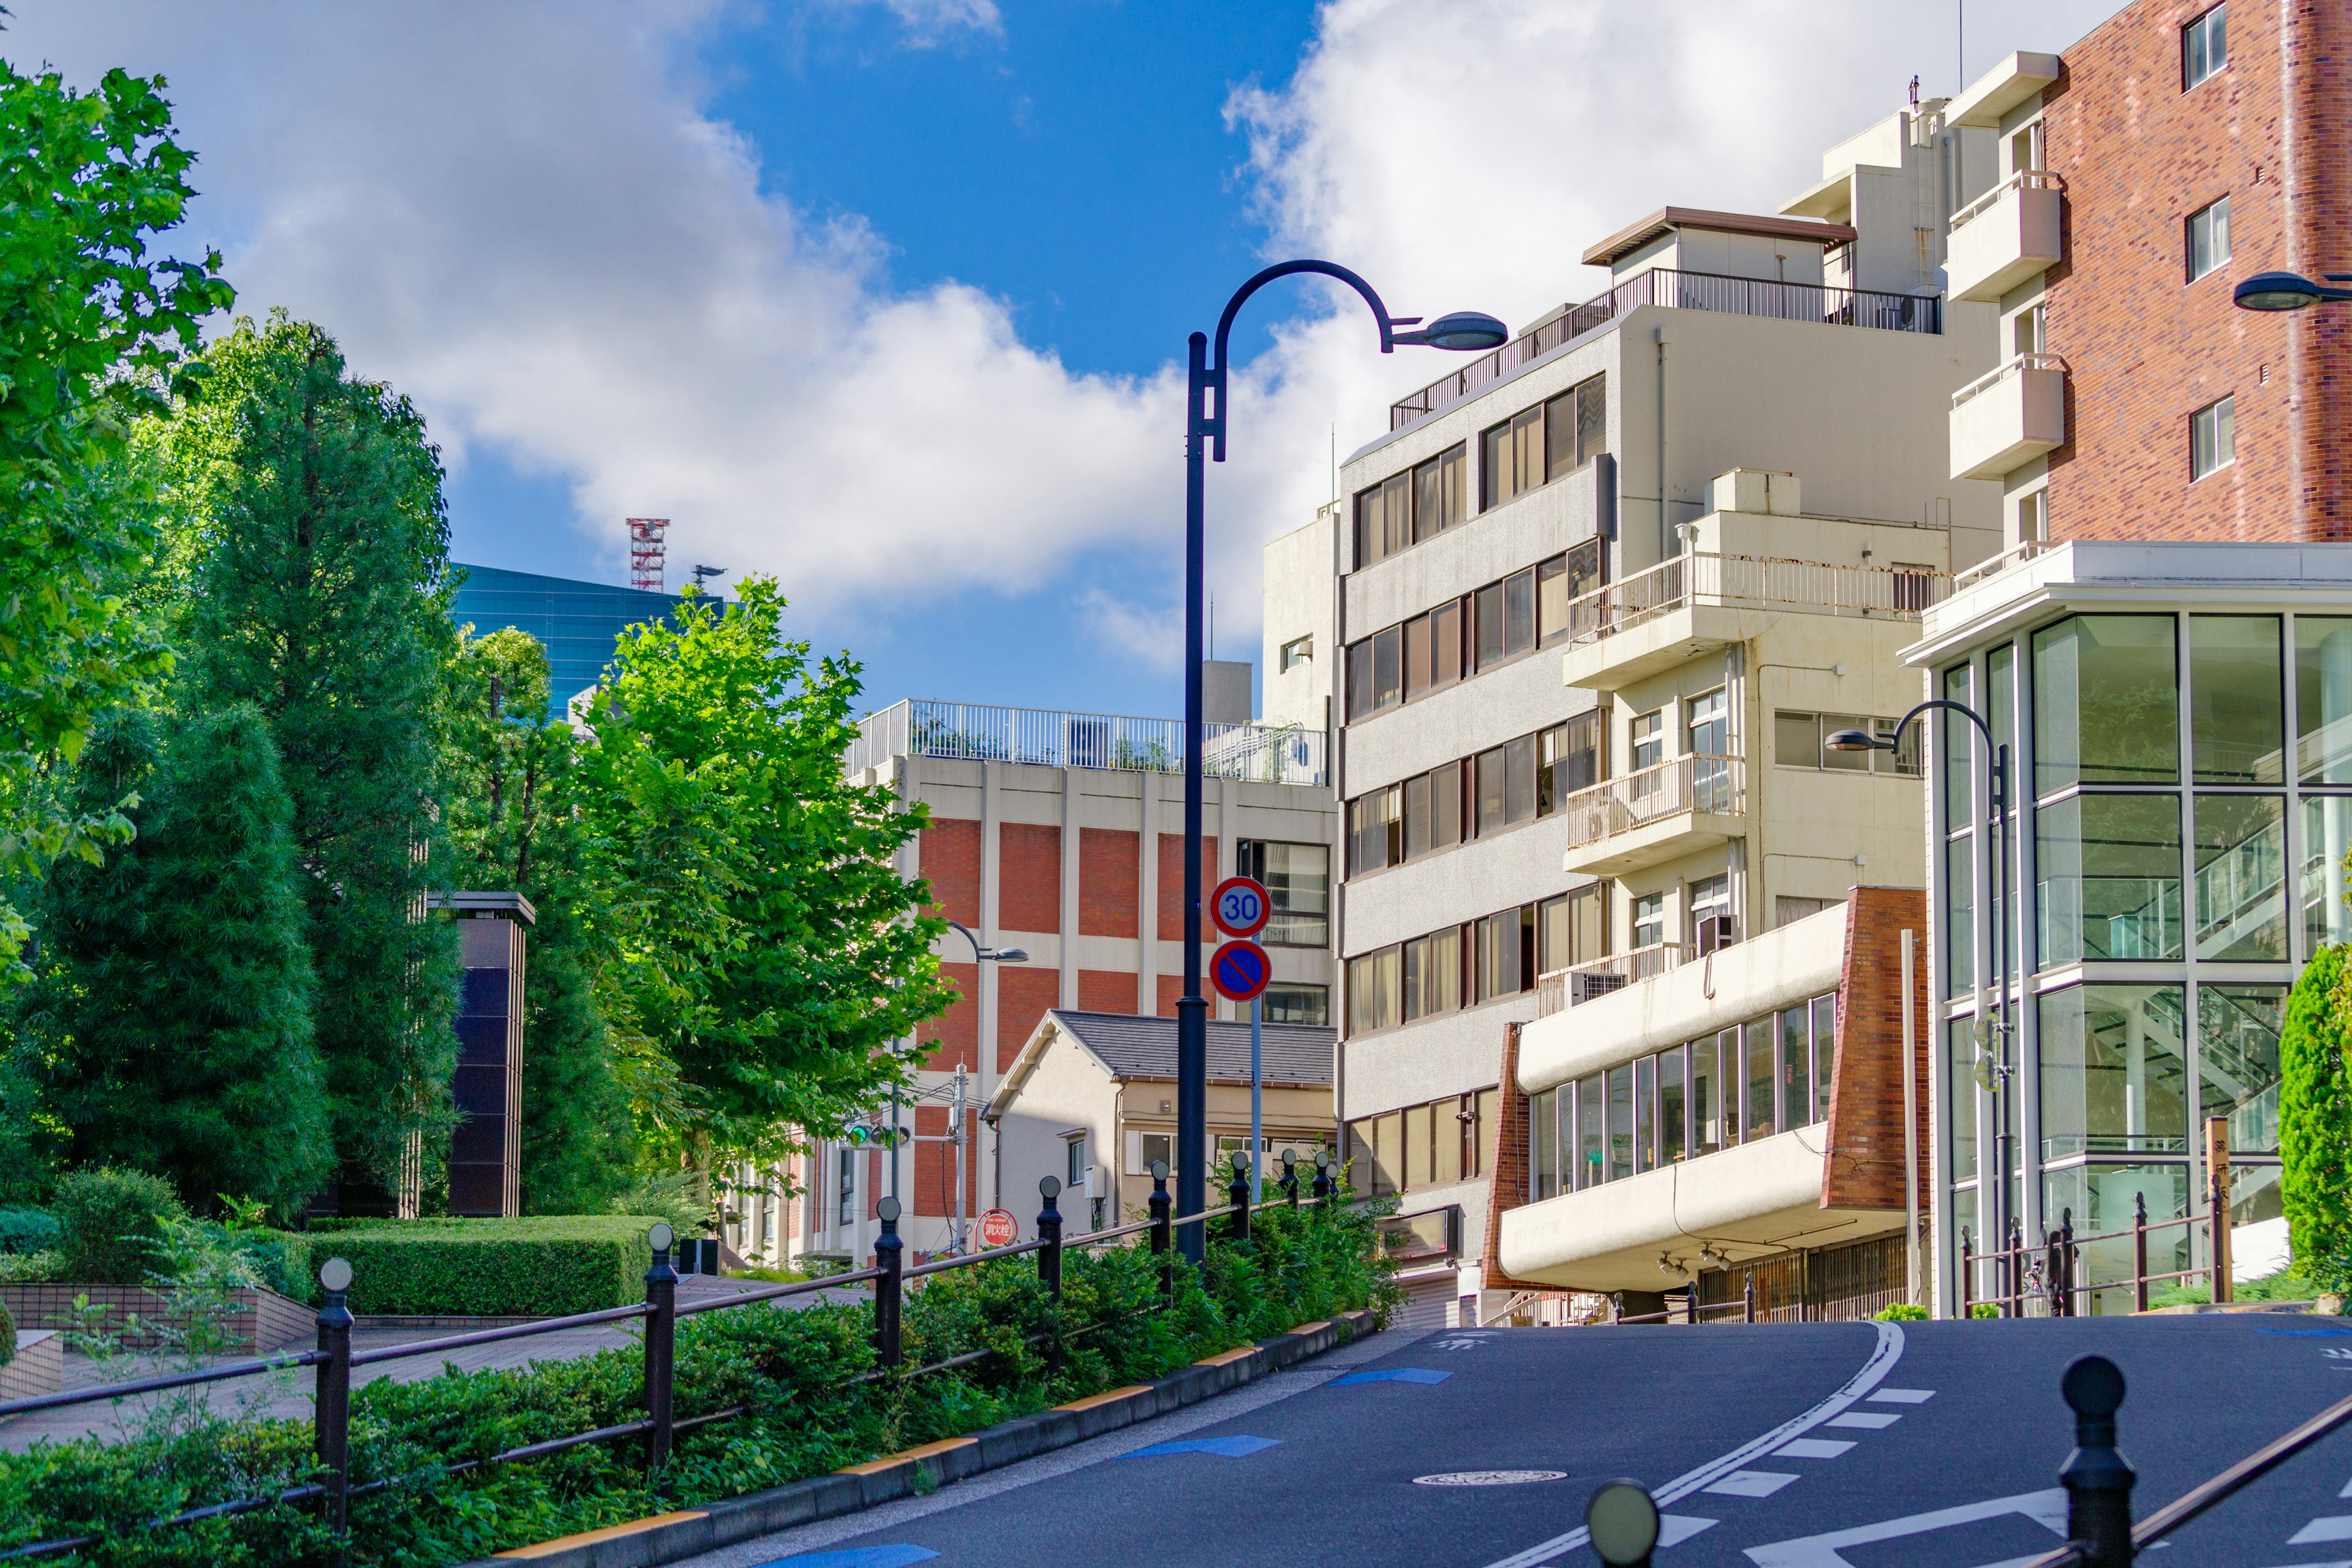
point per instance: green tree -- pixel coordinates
(175, 1000)
(754, 935)
(90, 325)
(309, 503)
(2316, 1120)
(512, 827)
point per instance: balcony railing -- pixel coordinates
(1812, 585)
(1248, 754)
(1565, 988)
(1718, 785)
(2002, 373)
(2015, 555)
(1826, 304)
(2023, 180)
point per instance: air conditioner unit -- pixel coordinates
(1716, 932)
(1584, 985)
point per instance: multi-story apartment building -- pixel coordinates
(1060, 835)
(1569, 611)
(2174, 709)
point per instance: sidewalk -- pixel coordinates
(287, 1393)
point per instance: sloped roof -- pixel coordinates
(1139, 1047)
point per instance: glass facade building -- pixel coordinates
(576, 621)
(2182, 758)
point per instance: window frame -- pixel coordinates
(2221, 417)
(2201, 29)
(2215, 257)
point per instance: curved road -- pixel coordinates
(1818, 1445)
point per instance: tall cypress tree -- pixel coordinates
(318, 591)
(176, 989)
(512, 825)
(2316, 1119)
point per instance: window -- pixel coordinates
(1376, 673)
(1445, 644)
(1709, 721)
(1519, 780)
(1372, 991)
(1074, 1179)
(1510, 459)
(1649, 732)
(847, 1169)
(1796, 739)
(1572, 759)
(1543, 1134)
(1518, 612)
(2208, 239)
(1797, 1067)
(1590, 1130)
(1297, 878)
(1297, 651)
(1438, 494)
(2238, 1055)
(1788, 910)
(2212, 437)
(2026, 148)
(1572, 929)
(1445, 805)
(1761, 1120)
(1383, 519)
(2240, 912)
(2204, 47)
(1487, 610)
(1288, 1003)
(2110, 870)
(1712, 923)
(1153, 1147)
(2106, 706)
(1375, 834)
(1648, 920)
(1505, 956)
(1706, 1099)
(1491, 791)
(1432, 973)
(1671, 1104)
(2323, 699)
(2114, 1071)
(2237, 706)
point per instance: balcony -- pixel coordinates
(1682, 608)
(1821, 304)
(2002, 421)
(1248, 754)
(1657, 815)
(2005, 237)
(1564, 988)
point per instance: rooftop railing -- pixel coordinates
(1826, 304)
(1248, 754)
(1888, 592)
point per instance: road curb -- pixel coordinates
(670, 1537)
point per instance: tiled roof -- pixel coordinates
(1146, 1048)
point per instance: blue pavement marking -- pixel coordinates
(1230, 1447)
(859, 1557)
(2302, 1333)
(1394, 1374)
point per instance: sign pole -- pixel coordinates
(1257, 1102)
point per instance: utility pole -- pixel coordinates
(956, 1145)
(1257, 1101)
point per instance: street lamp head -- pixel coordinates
(1855, 741)
(2279, 291)
(1467, 332)
(1007, 954)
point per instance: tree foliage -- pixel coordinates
(90, 325)
(318, 591)
(2316, 1119)
(753, 933)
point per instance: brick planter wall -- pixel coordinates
(265, 1320)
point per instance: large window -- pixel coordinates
(1802, 740)
(1572, 929)
(2204, 47)
(2212, 437)
(2105, 703)
(1428, 974)
(1432, 973)
(1539, 445)
(2114, 1071)
(1572, 756)
(1492, 625)
(1285, 1003)
(1372, 1000)
(1375, 831)
(1407, 508)
(2238, 1058)
(2241, 906)
(2323, 699)
(1510, 458)
(1297, 878)
(2110, 869)
(2208, 239)
(2237, 724)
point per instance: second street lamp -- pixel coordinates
(1204, 421)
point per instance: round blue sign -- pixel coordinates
(1239, 970)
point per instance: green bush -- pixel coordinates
(32, 1268)
(1901, 1312)
(282, 1259)
(790, 1369)
(1984, 1310)
(113, 1224)
(28, 1230)
(2315, 1122)
(7, 1337)
(544, 1265)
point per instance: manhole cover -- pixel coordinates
(1489, 1477)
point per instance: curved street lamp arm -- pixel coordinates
(1974, 718)
(966, 930)
(1209, 376)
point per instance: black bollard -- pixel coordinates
(1290, 1176)
(331, 1414)
(661, 1346)
(1237, 1192)
(1159, 1206)
(1322, 1174)
(1049, 1262)
(2098, 1479)
(887, 1257)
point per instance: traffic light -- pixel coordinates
(863, 1135)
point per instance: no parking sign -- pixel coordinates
(1240, 970)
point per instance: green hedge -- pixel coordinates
(790, 1368)
(7, 1337)
(541, 1267)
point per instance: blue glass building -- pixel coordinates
(576, 621)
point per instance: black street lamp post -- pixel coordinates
(1204, 420)
(1995, 1039)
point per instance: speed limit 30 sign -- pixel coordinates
(1240, 906)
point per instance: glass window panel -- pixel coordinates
(1372, 991)
(1705, 1099)
(1648, 920)
(1583, 569)
(1387, 668)
(1585, 757)
(1359, 679)
(1902, 761)
(1957, 745)
(1649, 733)
(1959, 915)
(1795, 739)
(1491, 791)
(1493, 466)
(1672, 1104)
(2105, 707)
(1445, 644)
(1543, 1138)
(2255, 1194)
(1591, 418)
(1527, 450)
(1845, 761)
(1415, 978)
(2242, 909)
(1551, 748)
(1418, 1148)
(1396, 512)
(1519, 779)
(1371, 536)
(1760, 1113)
(2212, 438)
(1417, 678)
(1293, 1004)
(1709, 723)
(1645, 1114)
(1590, 1134)
(2110, 869)
(1519, 611)
(1960, 1095)
(2238, 1060)
(1445, 805)
(2237, 712)
(2102, 1199)
(1621, 1122)
(1560, 435)
(1824, 1053)
(1446, 969)
(1490, 625)
(2115, 1075)
(1588, 922)
(1416, 817)
(1553, 941)
(1796, 1066)
(2324, 885)
(1551, 599)
(2322, 698)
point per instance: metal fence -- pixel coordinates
(1248, 754)
(1890, 593)
(1708, 783)
(335, 1359)
(1825, 304)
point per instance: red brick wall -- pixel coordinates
(1107, 990)
(1171, 991)
(1864, 1168)
(1171, 884)
(2145, 347)
(1029, 872)
(957, 1028)
(1023, 995)
(1507, 1184)
(949, 854)
(933, 1192)
(1111, 874)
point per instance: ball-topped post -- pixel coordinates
(1237, 1194)
(331, 1413)
(889, 1258)
(1049, 1231)
(2098, 1478)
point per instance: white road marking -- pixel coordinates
(1868, 1420)
(1812, 1449)
(1903, 1396)
(1752, 1483)
(1674, 1529)
(2346, 1491)
(2329, 1527)
(1874, 1372)
(2047, 1509)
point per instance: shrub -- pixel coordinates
(545, 1265)
(2315, 1123)
(28, 1230)
(7, 1337)
(1984, 1310)
(1901, 1312)
(32, 1268)
(114, 1224)
(281, 1257)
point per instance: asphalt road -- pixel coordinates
(1866, 1446)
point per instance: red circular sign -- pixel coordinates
(1240, 906)
(999, 1228)
(1240, 969)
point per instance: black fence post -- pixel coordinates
(2016, 1262)
(661, 1346)
(1290, 1176)
(332, 1417)
(1748, 1295)
(2067, 1256)
(1967, 1276)
(1049, 1263)
(1323, 1182)
(1237, 1192)
(2098, 1479)
(2139, 1252)
(887, 1257)
(1160, 1206)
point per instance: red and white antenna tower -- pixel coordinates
(646, 553)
